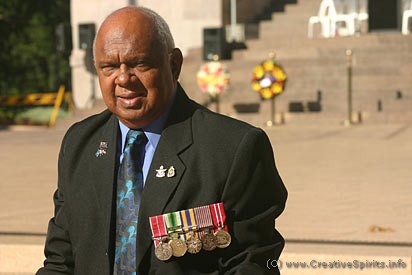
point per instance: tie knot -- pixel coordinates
(134, 136)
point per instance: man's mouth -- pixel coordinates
(129, 100)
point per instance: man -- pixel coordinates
(209, 159)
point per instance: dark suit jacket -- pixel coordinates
(217, 159)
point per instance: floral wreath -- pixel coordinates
(213, 78)
(269, 79)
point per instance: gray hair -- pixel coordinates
(161, 26)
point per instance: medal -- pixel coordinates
(174, 228)
(205, 223)
(179, 246)
(194, 245)
(189, 230)
(223, 238)
(163, 250)
(209, 241)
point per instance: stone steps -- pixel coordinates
(382, 64)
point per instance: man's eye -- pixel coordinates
(141, 66)
(108, 69)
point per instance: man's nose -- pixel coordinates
(126, 75)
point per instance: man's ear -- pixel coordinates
(176, 61)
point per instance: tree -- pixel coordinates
(29, 59)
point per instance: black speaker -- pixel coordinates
(86, 35)
(247, 107)
(296, 107)
(383, 14)
(214, 43)
(314, 106)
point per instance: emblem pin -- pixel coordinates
(102, 150)
(161, 172)
(171, 172)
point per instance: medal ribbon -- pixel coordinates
(157, 224)
(173, 223)
(189, 222)
(204, 218)
(218, 216)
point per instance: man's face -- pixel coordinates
(137, 74)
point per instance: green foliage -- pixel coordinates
(29, 59)
(38, 116)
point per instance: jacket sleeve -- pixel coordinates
(58, 248)
(255, 196)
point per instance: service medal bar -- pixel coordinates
(194, 245)
(223, 238)
(190, 230)
(218, 216)
(175, 231)
(204, 219)
(163, 250)
(205, 222)
(189, 223)
(158, 227)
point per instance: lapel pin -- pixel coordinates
(102, 150)
(171, 172)
(160, 172)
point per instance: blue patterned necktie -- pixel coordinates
(129, 189)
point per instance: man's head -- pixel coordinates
(137, 65)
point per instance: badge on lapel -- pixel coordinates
(161, 172)
(102, 150)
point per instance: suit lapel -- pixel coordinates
(176, 137)
(103, 170)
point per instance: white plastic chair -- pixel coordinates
(407, 14)
(323, 18)
(329, 18)
(405, 21)
(359, 9)
(344, 14)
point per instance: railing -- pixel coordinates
(40, 99)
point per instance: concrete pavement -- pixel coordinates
(346, 184)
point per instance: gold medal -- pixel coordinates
(194, 245)
(163, 251)
(179, 247)
(223, 238)
(209, 241)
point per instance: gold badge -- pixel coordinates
(171, 172)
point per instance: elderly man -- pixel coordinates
(126, 172)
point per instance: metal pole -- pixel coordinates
(273, 111)
(233, 19)
(349, 55)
